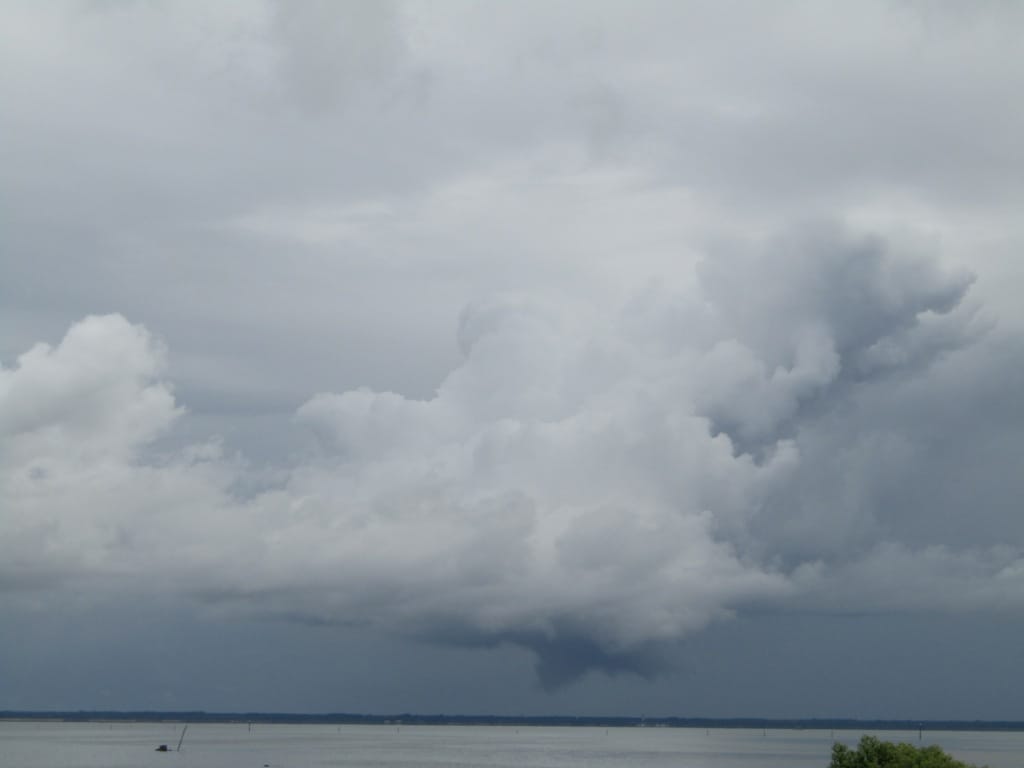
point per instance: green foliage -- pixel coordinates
(872, 753)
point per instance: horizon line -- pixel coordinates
(407, 718)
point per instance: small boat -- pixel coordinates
(165, 748)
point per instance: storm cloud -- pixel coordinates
(576, 331)
(587, 486)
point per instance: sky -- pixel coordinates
(598, 358)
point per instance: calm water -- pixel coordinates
(99, 745)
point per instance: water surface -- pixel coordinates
(131, 745)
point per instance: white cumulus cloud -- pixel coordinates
(588, 484)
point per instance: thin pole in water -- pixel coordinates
(182, 737)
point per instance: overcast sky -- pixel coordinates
(536, 357)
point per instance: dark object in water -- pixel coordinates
(164, 747)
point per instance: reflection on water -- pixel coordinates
(124, 745)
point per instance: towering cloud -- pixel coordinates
(590, 485)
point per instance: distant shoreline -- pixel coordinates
(817, 724)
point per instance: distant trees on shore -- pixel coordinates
(874, 753)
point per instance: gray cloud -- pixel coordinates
(329, 51)
(492, 326)
(814, 314)
(569, 488)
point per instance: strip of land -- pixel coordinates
(345, 718)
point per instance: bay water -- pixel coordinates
(36, 744)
